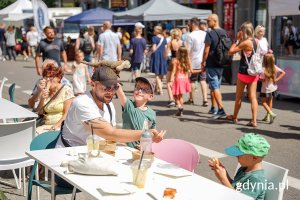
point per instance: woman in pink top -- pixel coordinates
(245, 44)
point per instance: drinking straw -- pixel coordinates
(93, 135)
(139, 167)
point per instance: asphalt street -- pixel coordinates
(196, 126)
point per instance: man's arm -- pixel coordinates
(104, 129)
(205, 55)
(100, 51)
(65, 60)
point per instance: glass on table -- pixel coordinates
(139, 174)
(93, 145)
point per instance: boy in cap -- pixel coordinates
(250, 150)
(136, 112)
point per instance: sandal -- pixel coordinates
(232, 119)
(205, 103)
(252, 124)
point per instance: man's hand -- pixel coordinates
(157, 136)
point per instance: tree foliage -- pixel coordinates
(5, 3)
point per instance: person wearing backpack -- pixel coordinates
(86, 44)
(247, 46)
(214, 70)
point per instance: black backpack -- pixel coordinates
(85, 45)
(220, 53)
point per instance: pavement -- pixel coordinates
(209, 136)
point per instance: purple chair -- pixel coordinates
(178, 152)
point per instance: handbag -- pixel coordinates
(40, 120)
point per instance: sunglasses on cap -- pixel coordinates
(112, 88)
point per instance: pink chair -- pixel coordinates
(178, 152)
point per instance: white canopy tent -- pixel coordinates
(156, 10)
(14, 12)
(281, 8)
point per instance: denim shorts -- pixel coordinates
(135, 66)
(214, 77)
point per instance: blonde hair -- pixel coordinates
(79, 52)
(269, 65)
(259, 28)
(175, 33)
(247, 29)
(183, 58)
(158, 29)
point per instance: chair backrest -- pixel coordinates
(178, 152)
(277, 177)
(2, 85)
(15, 139)
(46, 140)
(11, 92)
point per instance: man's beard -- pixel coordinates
(102, 99)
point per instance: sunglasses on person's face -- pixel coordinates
(143, 90)
(112, 88)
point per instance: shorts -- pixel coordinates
(198, 77)
(247, 78)
(135, 66)
(214, 77)
(269, 95)
(259, 85)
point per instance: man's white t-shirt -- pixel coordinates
(83, 108)
(195, 45)
(110, 41)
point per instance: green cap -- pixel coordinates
(250, 143)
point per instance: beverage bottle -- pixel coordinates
(146, 139)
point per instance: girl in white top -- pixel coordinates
(80, 74)
(269, 79)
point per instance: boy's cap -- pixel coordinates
(148, 81)
(250, 143)
(139, 25)
(105, 75)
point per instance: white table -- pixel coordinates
(188, 187)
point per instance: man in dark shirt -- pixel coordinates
(50, 48)
(213, 71)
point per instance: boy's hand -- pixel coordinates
(219, 170)
(157, 136)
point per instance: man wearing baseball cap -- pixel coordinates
(136, 112)
(94, 110)
(250, 150)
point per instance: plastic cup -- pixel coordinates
(93, 145)
(139, 175)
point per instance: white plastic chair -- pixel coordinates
(277, 176)
(2, 85)
(15, 139)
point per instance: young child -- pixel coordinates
(80, 74)
(269, 79)
(136, 112)
(180, 78)
(250, 150)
